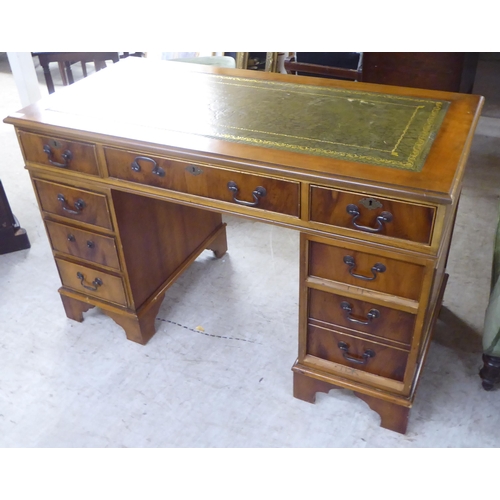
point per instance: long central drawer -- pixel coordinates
(261, 192)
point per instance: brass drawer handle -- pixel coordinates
(79, 205)
(372, 314)
(258, 193)
(95, 284)
(383, 218)
(67, 157)
(345, 352)
(377, 268)
(157, 170)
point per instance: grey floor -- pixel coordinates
(217, 373)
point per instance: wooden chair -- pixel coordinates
(66, 59)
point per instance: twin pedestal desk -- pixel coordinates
(133, 166)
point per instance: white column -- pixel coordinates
(23, 70)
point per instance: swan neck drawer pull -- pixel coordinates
(345, 352)
(372, 314)
(95, 284)
(157, 170)
(376, 268)
(258, 193)
(79, 205)
(381, 219)
(67, 156)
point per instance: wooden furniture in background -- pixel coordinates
(12, 236)
(449, 71)
(66, 59)
(263, 61)
(132, 180)
(342, 65)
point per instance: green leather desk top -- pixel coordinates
(377, 129)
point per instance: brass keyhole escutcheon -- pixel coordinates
(370, 203)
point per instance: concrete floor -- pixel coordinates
(68, 384)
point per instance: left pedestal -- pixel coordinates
(121, 251)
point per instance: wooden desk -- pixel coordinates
(133, 167)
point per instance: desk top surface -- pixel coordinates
(387, 135)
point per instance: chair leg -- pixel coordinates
(48, 77)
(69, 73)
(99, 65)
(62, 71)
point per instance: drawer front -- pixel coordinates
(61, 153)
(83, 244)
(366, 270)
(201, 180)
(92, 282)
(77, 204)
(362, 316)
(357, 353)
(365, 214)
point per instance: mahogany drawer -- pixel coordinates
(207, 181)
(61, 153)
(406, 221)
(76, 204)
(357, 353)
(367, 270)
(92, 282)
(83, 244)
(362, 316)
